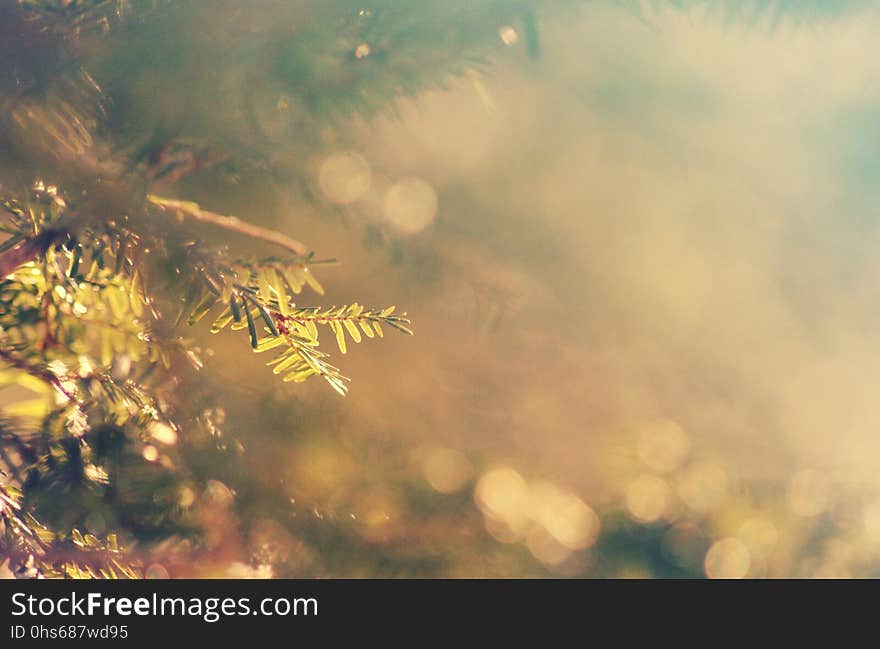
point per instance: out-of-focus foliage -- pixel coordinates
(87, 278)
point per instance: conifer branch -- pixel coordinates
(41, 373)
(28, 249)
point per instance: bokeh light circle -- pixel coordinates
(446, 470)
(410, 205)
(647, 498)
(567, 518)
(662, 445)
(502, 494)
(728, 558)
(344, 177)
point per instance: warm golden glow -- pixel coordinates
(344, 177)
(760, 536)
(808, 493)
(410, 205)
(728, 558)
(163, 433)
(647, 498)
(662, 445)
(871, 520)
(508, 35)
(446, 470)
(503, 496)
(703, 486)
(567, 518)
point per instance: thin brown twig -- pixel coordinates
(38, 372)
(28, 250)
(233, 223)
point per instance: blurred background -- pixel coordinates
(638, 245)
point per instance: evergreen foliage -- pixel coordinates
(98, 277)
(104, 263)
